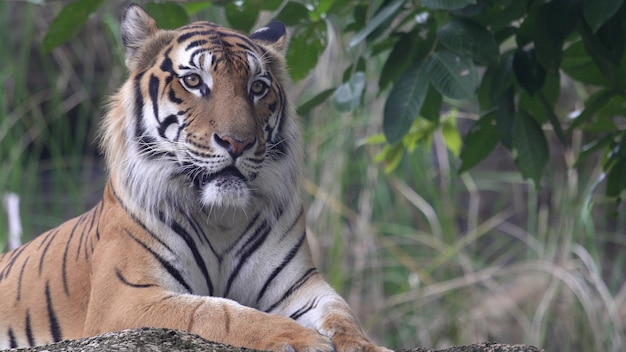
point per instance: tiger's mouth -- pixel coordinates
(200, 180)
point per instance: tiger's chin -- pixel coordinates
(225, 189)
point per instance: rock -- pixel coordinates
(150, 339)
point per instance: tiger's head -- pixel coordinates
(203, 118)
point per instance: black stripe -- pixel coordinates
(174, 99)
(66, 287)
(51, 237)
(12, 341)
(167, 66)
(243, 38)
(243, 234)
(55, 329)
(121, 277)
(279, 212)
(176, 227)
(163, 125)
(199, 232)
(196, 43)
(302, 311)
(153, 90)
(197, 52)
(255, 241)
(301, 281)
(99, 218)
(46, 236)
(29, 330)
(90, 229)
(169, 267)
(198, 25)
(19, 280)
(138, 222)
(139, 130)
(186, 36)
(292, 253)
(82, 235)
(13, 256)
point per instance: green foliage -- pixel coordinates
(68, 22)
(433, 52)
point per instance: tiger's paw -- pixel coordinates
(355, 343)
(298, 340)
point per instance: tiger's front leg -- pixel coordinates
(329, 314)
(215, 319)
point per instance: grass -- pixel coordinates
(425, 256)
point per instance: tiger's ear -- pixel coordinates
(136, 27)
(274, 35)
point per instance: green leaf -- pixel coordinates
(348, 96)
(530, 147)
(192, 8)
(503, 77)
(485, 88)
(496, 81)
(293, 13)
(479, 142)
(359, 65)
(404, 102)
(454, 76)
(616, 179)
(270, 5)
(528, 71)
(241, 16)
(447, 4)
(471, 10)
(421, 132)
(541, 105)
(580, 66)
(592, 105)
(409, 48)
(592, 148)
(378, 138)
(451, 136)
(612, 36)
(391, 155)
(526, 30)
(505, 118)
(505, 33)
(306, 107)
(604, 58)
(168, 15)
(555, 22)
(466, 37)
(68, 23)
(597, 12)
(306, 45)
(381, 17)
(431, 107)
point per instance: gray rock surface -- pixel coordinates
(148, 339)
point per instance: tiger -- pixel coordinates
(201, 227)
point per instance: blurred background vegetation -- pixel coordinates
(515, 251)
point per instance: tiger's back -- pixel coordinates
(201, 227)
(33, 275)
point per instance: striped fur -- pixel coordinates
(200, 227)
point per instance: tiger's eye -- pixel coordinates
(258, 87)
(192, 80)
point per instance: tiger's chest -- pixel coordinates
(244, 261)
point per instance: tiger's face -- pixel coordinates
(208, 113)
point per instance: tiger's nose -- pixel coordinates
(235, 147)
